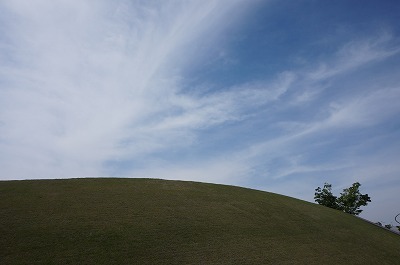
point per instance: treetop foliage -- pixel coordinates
(325, 197)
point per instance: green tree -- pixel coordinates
(350, 199)
(325, 197)
(388, 226)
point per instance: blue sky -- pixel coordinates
(280, 96)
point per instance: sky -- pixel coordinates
(280, 96)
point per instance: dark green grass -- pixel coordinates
(144, 221)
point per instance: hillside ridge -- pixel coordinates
(155, 221)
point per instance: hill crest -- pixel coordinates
(154, 221)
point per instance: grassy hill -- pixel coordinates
(146, 221)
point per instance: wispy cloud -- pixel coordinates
(300, 147)
(86, 82)
(355, 54)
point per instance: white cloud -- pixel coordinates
(223, 170)
(356, 54)
(90, 81)
(366, 111)
(304, 138)
(319, 144)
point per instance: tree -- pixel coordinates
(388, 226)
(350, 199)
(325, 197)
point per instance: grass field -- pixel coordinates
(146, 221)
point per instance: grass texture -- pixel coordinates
(148, 221)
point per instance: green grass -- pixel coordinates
(144, 221)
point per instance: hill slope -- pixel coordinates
(144, 221)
